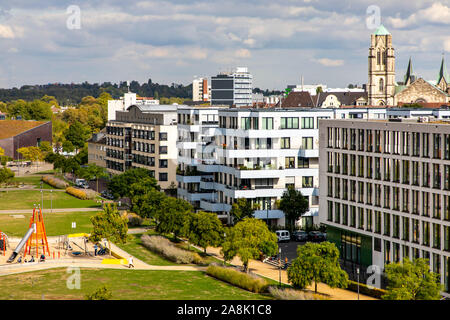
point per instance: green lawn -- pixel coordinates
(25, 199)
(124, 285)
(134, 247)
(55, 223)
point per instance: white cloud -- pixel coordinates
(329, 62)
(6, 32)
(243, 53)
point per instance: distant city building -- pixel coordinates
(329, 99)
(233, 88)
(97, 149)
(144, 136)
(16, 134)
(200, 90)
(127, 100)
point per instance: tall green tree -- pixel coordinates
(171, 215)
(412, 281)
(109, 225)
(242, 209)
(77, 134)
(5, 175)
(294, 205)
(92, 171)
(120, 185)
(318, 262)
(146, 205)
(248, 239)
(203, 229)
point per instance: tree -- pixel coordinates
(92, 171)
(102, 293)
(294, 205)
(77, 134)
(109, 225)
(146, 205)
(171, 215)
(318, 262)
(248, 239)
(2, 151)
(120, 184)
(241, 209)
(46, 147)
(6, 175)
(203, 229)
(412, 281)
(31, 153)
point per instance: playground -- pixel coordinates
(35, 247)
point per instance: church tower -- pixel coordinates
(381, 85)
(443, 77)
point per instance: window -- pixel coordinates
(330, 211)
(307, 143)
(381, 84)
(307, 182)
(425, 233)
(246, 123)
(289, 162)
(289, 123)
(308, 123)
(285, 143)
(163, 176)
(377, 244)
(302, 162)
(387, 224)
(163, 136)
(163, 149)
(163, 163)
(267, 123)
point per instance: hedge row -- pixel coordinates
(81, 194)
(242, 280)
(55, 182)
(363, 289)
(164, 247)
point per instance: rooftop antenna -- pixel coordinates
(302, 83)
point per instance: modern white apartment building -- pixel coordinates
(126, 101)
(200, 89)
(385, 190)
(232, 88)
(229, 153)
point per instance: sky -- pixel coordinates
(325, 41)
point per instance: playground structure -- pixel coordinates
(35, 238)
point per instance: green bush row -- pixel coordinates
(364, 289)
(242, 280)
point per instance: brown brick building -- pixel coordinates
(15, 134)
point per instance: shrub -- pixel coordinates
(81, 194)
(291, 294)
(164, 247)
(134, 220)
(364, 289)
(237, 278)
(55, 182)
(102, 293)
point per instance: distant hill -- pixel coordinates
(73, 93)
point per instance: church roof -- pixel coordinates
(409, 73)
(381, 31)
(443, 72)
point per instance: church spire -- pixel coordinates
(409, 74)
(443, 74)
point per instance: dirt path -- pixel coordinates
(273, 273)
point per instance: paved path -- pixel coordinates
(55, 210)
(271, 272)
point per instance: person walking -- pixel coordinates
(130, 262)
(95, 249)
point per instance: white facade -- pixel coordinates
(232, 88)
(124, 102)
(253, 154)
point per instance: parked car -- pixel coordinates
(316, 236)
(81, 183)
(283, 235)
(299, 235)
(107, 195)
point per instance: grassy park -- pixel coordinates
(25, 199)
(55, 223)
(124, 285)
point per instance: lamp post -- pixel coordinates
(357, 272)
(42, 198)
(51, 201)
(279, 266)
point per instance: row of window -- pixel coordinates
(394, 198)
(390, 225)
(395, 170)
(253, 123)
(416, 144)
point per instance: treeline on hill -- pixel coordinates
(70, 94)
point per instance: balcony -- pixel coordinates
(196, 195)
(187, 145)
(214, 206)
(272, 214)
(188, 179)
